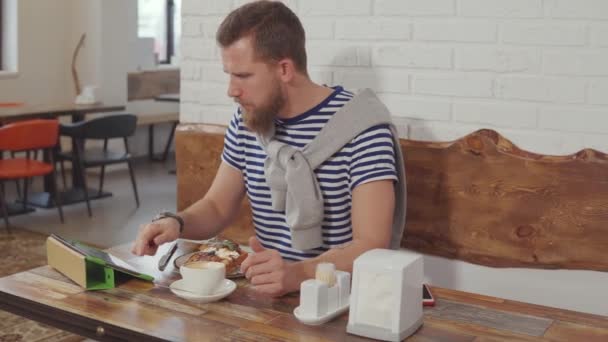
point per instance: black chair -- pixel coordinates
(102, 128)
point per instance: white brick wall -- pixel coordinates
(577, 9)
(543, 33)
(599, 34)
(500, 8)
(455, 30)
(534, 70)
(412, 56)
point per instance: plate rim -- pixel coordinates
(199, 298)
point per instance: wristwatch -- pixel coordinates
(174, 216)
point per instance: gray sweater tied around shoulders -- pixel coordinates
(293, 185)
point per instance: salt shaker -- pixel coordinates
(324, 297)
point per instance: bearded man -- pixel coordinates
(281, 110)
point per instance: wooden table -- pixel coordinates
(138, 310)
(77, 113)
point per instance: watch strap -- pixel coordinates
(168, 214)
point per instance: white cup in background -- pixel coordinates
(202, 277)
(87, 95)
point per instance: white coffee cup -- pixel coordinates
(202, 277)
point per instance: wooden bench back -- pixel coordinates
(479, 199)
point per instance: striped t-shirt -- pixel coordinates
(368, 157)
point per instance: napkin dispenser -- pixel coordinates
(385, 300)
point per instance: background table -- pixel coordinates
(27, 111)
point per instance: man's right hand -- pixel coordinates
(154, 234)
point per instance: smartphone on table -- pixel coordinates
(427, 296)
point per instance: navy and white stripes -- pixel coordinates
(368, 157)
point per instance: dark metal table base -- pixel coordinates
(70, 196)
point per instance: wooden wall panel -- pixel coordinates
(144, 85)
(478, 199)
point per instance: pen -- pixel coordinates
(162, 263)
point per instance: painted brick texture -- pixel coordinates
(534, 70)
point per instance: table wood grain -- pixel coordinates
(138, 310)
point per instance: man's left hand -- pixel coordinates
(268, 272)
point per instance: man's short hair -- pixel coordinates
(275, 30)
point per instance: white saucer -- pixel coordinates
(226, 288)
(321, 319)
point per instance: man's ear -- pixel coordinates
(286, 70)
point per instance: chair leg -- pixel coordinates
(63, 174)
(169, 140)
(4, 208)
(57, 196)
(83, 177)
(26, 185)
(151, 142)
(85, 188)
(28, 181)
(55, 189)
(18, 188)
(103, 172)
(133, 182)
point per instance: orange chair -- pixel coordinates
(28, 136)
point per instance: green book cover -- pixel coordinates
(100, 265)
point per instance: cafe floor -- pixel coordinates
(116, 219)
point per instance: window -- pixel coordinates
(161, 20)
(8, 36)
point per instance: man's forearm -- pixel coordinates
(203, 220)
(209, 215)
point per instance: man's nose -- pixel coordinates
(233, 91)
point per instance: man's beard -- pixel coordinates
(261, 119)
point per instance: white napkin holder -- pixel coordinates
(385, 301)
(320, 300)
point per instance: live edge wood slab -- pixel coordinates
(142, 311)
(479, 199)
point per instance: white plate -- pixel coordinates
(226, 288)
(319, 320)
